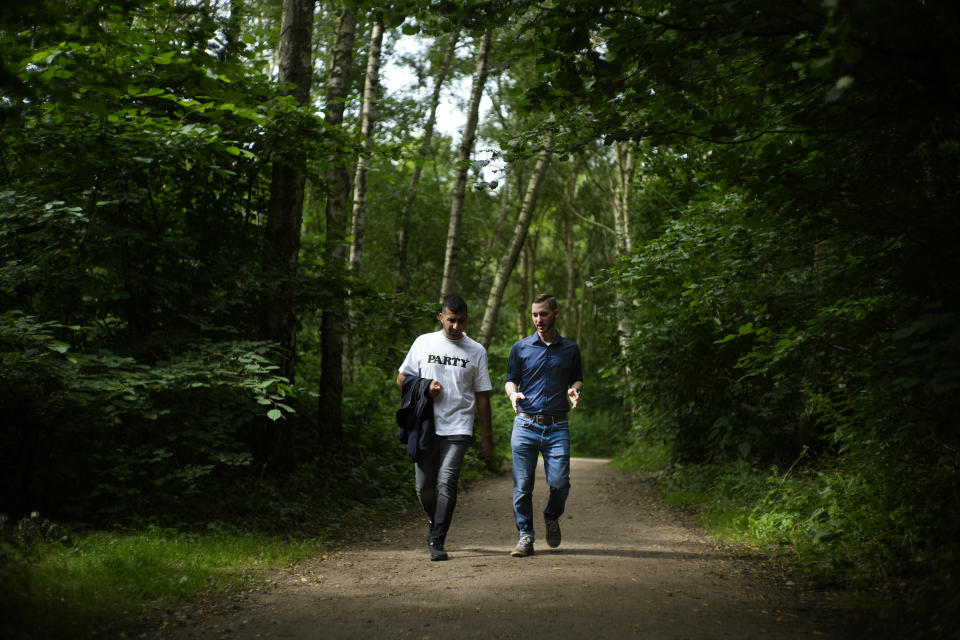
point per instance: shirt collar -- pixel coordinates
(535, 339)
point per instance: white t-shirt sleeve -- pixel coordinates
(482, 381)
(411, 363)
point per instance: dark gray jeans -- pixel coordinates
(438, 472)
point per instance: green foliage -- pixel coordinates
(791, 295)
(119, 434)
(135, 163)
(703, 273)
(833, 525)
(596, 433)
(789, 287)
(644, 456)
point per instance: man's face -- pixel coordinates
(544, 318)
(454, 324)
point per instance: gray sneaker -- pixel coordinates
(553, 533)
(524, 548)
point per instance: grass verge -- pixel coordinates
(77, 587)
(826, 523)
(66, 581)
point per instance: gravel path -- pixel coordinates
(628, 567)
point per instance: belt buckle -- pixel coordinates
(541, 419)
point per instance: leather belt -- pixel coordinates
(543, 418)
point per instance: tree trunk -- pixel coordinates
(570, 253)
(626, 168)
(509, 259)
(367, 117)
(452, 254)
(530, 270)
(507, 180)
(330, 423)
(403, 220)
(281, 245)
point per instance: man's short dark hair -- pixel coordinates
(454, 304)
(549, 299)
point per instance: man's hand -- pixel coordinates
(574, 394)
(486, 445)
(515, 398)
(435, 388)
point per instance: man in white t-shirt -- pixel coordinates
(456, 366)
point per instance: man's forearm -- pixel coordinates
(483, 410)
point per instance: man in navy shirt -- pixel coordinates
(544, 370)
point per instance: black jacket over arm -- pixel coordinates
(415, 416)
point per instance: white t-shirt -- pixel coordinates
(461, 367)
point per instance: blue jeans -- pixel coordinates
(528, 441)
(437, 475)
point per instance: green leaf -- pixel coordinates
(59, 347)
(164, 58)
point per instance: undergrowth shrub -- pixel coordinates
(596, 432)
(96, 433)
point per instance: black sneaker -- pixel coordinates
(553, 533)
(436, 551)
(524, 547)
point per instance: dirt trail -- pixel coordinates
(627, 568)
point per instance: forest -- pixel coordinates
(223, 222)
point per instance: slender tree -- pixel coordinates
(569, 250)
(367, 119)
(505, 182)
(403, 219)
(452, 254)
(282, 237)
(509, 259)
(626, 169)
(330, 426)
(281, 245)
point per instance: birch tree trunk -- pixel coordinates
(452, 254)
(367, 117)
(281, 246)
(529, 271)
(506, 193)
(571, 260)
(509, 259)
(626, 168)
(330, 424)
(403, 220)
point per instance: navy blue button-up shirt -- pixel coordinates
(543, 373)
